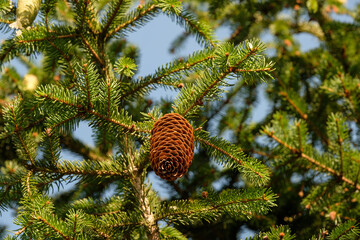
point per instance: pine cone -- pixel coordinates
(171, 146)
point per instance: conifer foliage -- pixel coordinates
(87, 74)
(308, 132)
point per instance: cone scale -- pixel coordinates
(171, 146)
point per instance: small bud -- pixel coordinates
(282, 235)
(301, 194)
(180, 85)
(332, 215)
(56, 78)
(48, 131)
(204, 194)
(335, 8)
(327, 9)
(287, 42)
(325, 233)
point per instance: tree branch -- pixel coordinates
(125, 24)
(312, 160)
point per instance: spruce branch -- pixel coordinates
(229, 96)
(87, 88)
(7, 52)
(52, 227)
(234, 202)
(340, 142)
(168, 74)
(347, 94)
(50, 38)
(304, 116)
(7, 134)
(347, 230)
(92, 50)
(31, 40)
(21, 139)
(85, 14)
(266, 69)
(235, 33)
(66, 57)
(171, 233)
(301, 154)
(229, 59)
(69, 120)
(74, 231)
(65, 98)
(11, 76)
(48, 96)
(130, 128)
(53, 149)
(93, 168)
(115, 13)
(222, 151)
(138, 14)
(203, 33)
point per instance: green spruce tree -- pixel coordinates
(309, 134)
(87, 74)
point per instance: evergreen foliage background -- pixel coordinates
(293, 174)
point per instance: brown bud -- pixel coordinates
(180, 85)
(48, 131)
(287, 42)
(301, 194)
(332, 215)
(56, 78)
(204, 194)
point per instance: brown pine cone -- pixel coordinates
(171, 146)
